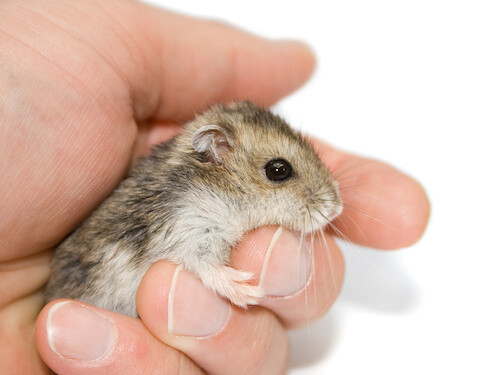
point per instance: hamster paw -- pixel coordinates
(233, 285)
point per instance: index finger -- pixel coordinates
(383, 207)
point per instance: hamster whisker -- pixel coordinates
(327, 222)
(344, 188)
(325, 198)
(330, 262)
(339, 232)
(354, 191)
(350, 168)
(297, 262)
(335, 202)
(311, 247)
(355, 224)
(352, 245)
(368, 215)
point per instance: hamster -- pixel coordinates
(234, 168)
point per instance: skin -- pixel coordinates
(87, 87)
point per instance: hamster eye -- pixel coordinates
(278, 170)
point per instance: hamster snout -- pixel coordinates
(323, 204)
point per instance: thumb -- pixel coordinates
(190, 63)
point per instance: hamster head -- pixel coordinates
(257, 160)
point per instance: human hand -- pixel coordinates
(86, 87)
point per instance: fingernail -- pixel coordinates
(78, 332)
(287, 264)
(193, 309)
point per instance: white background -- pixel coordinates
(416, 84)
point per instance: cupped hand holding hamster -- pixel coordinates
(81, 95)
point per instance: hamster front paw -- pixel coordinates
(233, 285)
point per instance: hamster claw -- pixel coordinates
(233, 285)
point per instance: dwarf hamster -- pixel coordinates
(234, 168)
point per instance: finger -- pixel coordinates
(383, 207)
(180, 311)
(76, 338)
(17, 342)
(192, 63)
(300, 275)
(21, 277)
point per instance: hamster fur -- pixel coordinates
(233, 169)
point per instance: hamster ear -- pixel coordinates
(212, 141)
